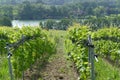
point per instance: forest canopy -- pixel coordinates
(50, 9)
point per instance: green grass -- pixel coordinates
(59, 33)
(105, 71)
(4, 71)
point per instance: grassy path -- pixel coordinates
(58, 67)
(106, 71)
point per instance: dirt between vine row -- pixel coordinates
(57, 67)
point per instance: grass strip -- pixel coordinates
(105, 71)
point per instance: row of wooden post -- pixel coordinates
(8, 46)
(91, 57)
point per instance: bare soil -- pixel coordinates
(58, 67)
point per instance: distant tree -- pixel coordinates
(5, 21)
(99, 11)
(26, 11)
(7, 11)
(41, 25)
(39, 1)
(64, 24)
(53, 12)
(39, 12)
(50, 24)
(13, 2)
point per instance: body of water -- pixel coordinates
(20, 23)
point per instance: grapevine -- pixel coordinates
(36, 45)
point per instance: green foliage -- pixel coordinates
(50, 2)
(76, 49)
(100, 22)
(26, 11)
(6, 11)
(36, 9)
(50, 24)
(4, 72)
(5, 22)
(41, 25)
(106, 41)
(37, 45)
(62, 24)
(4, 37)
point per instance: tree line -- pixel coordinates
(34, 11)
(82, 10)
(62, 24)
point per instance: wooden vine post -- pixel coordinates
(9, 61)
(91, 57)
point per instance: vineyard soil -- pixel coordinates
(56, 68)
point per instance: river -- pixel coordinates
(20, 23)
